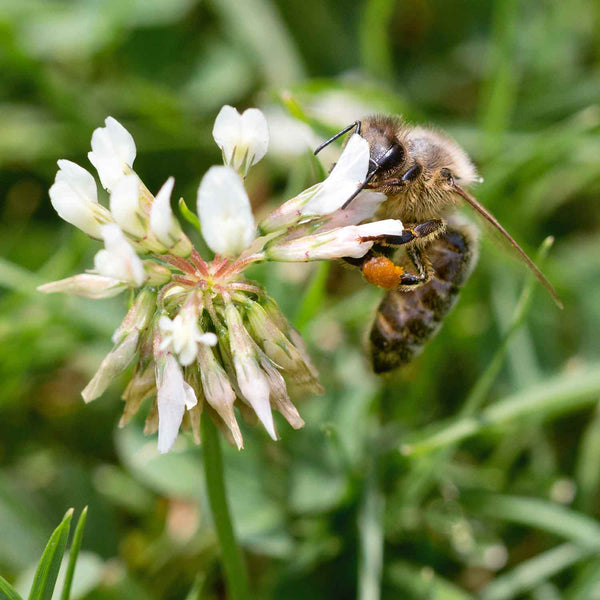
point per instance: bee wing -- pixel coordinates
(509, 241)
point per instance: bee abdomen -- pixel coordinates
(407, 320)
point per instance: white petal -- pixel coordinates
(171, 400)
(190, 396)
(121, 140)
(85, 285)
(125, 206)
(161, 215)
(348, 174)
(255, 134)
(226, 130)
(119, 259)
(254, 386)
(224, 212)
(74, 197)
(209, 339)
(385, 227)
(113, 152)
(78, 178)
(363, 207)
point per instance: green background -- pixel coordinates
(499, 498)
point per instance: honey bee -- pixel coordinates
(424, 174)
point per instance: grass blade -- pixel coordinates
(49, 565)
(567, 392)
(75, 546)
(7, 592)
(414, 581)
(531, 573)
(313, 298)
(540, 514)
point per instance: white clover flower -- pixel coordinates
(224, 212)
(113, 152)
(86, 285)
(182, 335)
(336, 243)
(125, 206)
(119, 260)
(75, 198)
(173, 397)
(180, 293)
(243, 139)
(165, 226)
(328, 196)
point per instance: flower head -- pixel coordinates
(205, 341)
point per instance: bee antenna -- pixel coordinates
(339, 134)
(362, 186)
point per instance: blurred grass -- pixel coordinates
(512, 511)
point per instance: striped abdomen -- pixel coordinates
(407, 320)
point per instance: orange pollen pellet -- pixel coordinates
(382, 272)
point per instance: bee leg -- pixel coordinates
(423, 232)
(380, 270)
(383, 272)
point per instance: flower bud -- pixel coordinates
(85, 285)
(156, 274)
(139, 316)
(141, 386)
(165, 226)
(113, 152)
(279, 348)
(218, 391)
(250, 378)
(336, 243)
(243, 139)
(75, 198)
(114, 362)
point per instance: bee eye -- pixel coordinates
(392, 157)
(447, 175)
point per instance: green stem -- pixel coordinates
(233, 561)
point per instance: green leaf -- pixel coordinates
(75, 546)
(189, 216)
(49, 565)
(7, 592)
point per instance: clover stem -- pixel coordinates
(234, 566)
